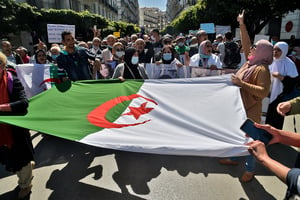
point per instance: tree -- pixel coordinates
(16, 16)
(258, 13)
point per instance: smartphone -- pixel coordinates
(256, 133)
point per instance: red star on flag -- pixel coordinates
(138, 111)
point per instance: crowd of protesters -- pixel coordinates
(261, 66)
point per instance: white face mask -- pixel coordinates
(134, 60)
(95, 47)
(119, 54)
(152, 37)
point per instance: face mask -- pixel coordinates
(167, 56)
(95, 47)
(293, 53)
(204, 56)
(180, 44)
(54, 57)
(152, 37)
(250, 58)
(135, 60)
(273, 42)
(119, 54)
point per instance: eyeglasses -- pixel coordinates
(119, 49)
(276, 49)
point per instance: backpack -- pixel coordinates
(232, 55)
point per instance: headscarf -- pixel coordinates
(263, 56)
(130, 71)
(284, 66)
(202, 47)
(263, 53)
(6, 132)
(203, 55)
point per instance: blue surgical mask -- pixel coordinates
(180, 44)
(273, 42)
(54, 56)
(134, 60)
(167, 56)
(293, 53)
(204, 56)
(119, 54)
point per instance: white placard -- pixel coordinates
(54, 31)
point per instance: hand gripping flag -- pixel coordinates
(197, 116)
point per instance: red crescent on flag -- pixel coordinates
(54, 80)
(98, 115)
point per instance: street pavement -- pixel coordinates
(67, 170)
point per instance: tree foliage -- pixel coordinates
(16, 17)
(257, 13)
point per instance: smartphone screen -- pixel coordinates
(256, 133)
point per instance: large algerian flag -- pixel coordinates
(197, 116)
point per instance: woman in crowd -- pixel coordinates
(168, 57)
(254, 80)
(205, 58)
(130, 69)
(16, 150)
(41, 57)
(284, 79)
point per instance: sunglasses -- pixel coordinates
(253, 46)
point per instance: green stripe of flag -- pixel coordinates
(64, 114)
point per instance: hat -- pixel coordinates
(167, 37)
(201, 32)
(219, 35)
(23, 48)
(179, 37)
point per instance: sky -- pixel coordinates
(161, 4)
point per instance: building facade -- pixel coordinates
(151, 18)
(128, 11)
(175, 7)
